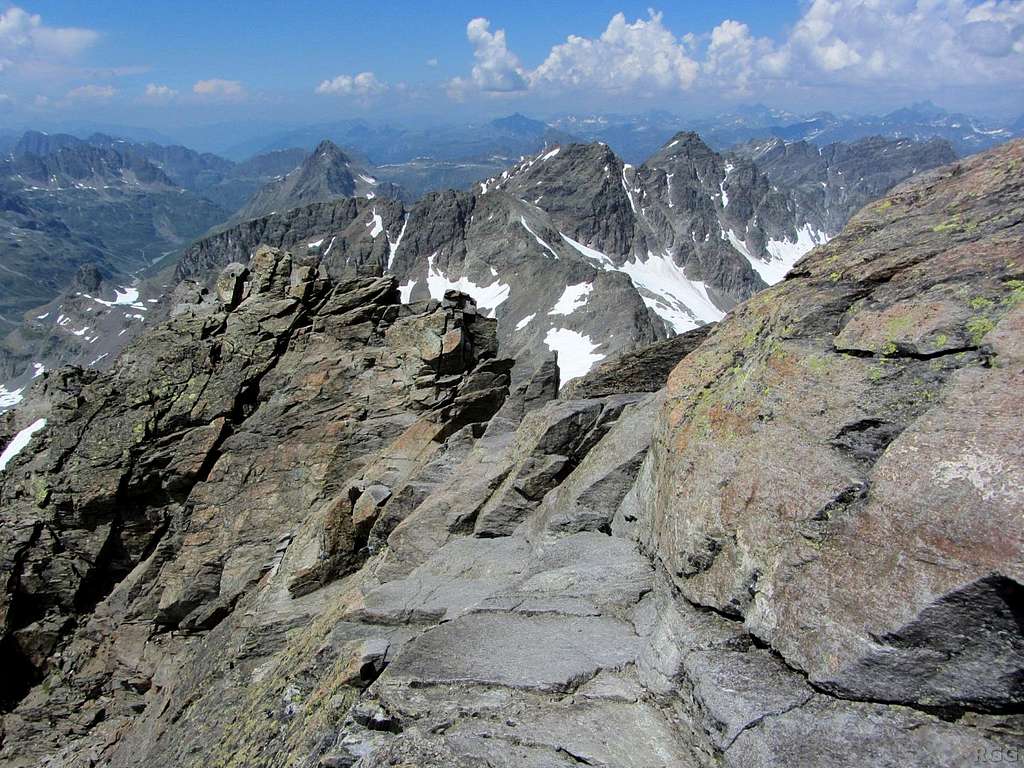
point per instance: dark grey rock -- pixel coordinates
(642, 370)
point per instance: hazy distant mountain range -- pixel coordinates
(632, 137)
(636, 137)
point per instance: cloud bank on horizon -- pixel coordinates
(836, 42)
(915, 46)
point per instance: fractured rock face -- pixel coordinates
(831, 183)
(837, 464)
(166, 490)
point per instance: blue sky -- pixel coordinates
(188, 63)
(277, 45)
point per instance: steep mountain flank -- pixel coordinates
(327, 174)
(86, 205)
(831, 183)
(304, 524)
(87, 325)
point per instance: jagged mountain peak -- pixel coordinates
(328, 173)
(519, 125)
(685, 143)
(329, 152)
(571, 168)
(327, 165)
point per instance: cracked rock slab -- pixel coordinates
(544, 652)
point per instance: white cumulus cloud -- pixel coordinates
(363, 85)
(925, 42)
(23, 36)
(833, 44)
(640, 56)
(496, 69)
(733, 56)
(216, 88)
(91, 92)
(155, 92)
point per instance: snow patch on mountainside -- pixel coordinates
(486, 296)
(525, 321)
(721, 185)
(572, 298)
(377, 223)
(10, 397)
(735, 242)
(590, 253)
(405, 291)
(20, 442)
(393, 245)
(123, 297)
(665, 288)
(626, 188)
(575, 352)
(536, 237)
(785, 253)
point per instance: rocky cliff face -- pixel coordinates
(829, 184)
(837, 467)
(304, 524)
(255, 404)
(327, 174)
